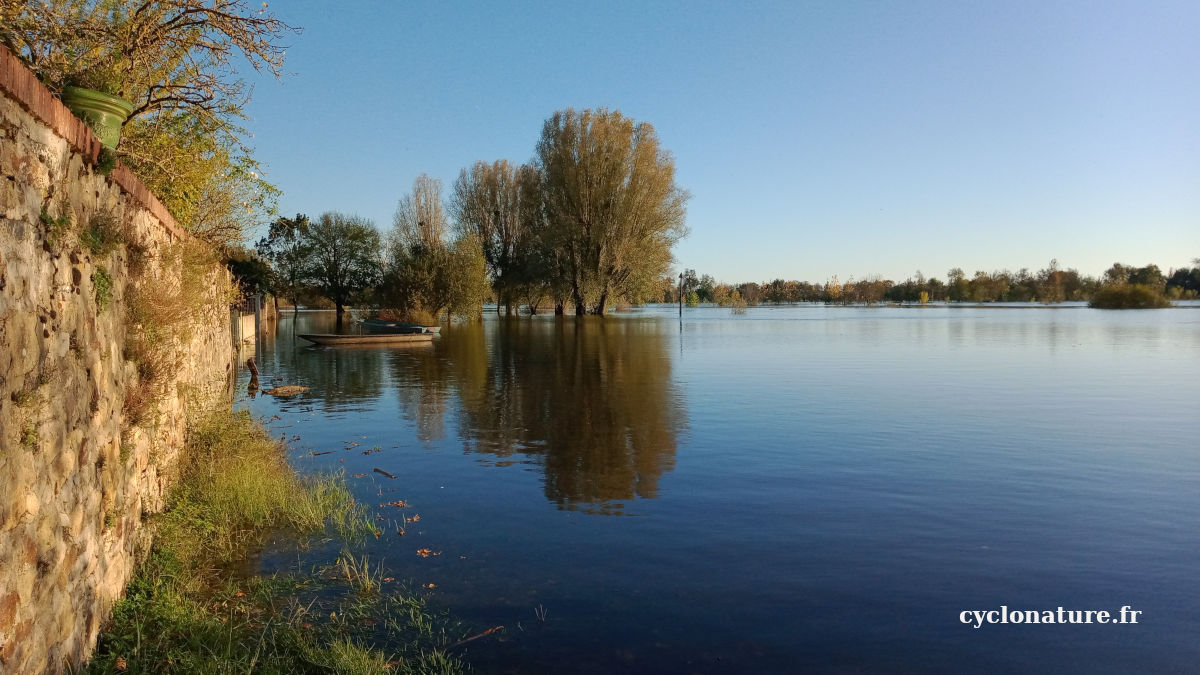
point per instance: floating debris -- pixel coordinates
(389, 475)
(360, 475)
(425, 553)
(286, 390)
(327, 452)
(399, 503)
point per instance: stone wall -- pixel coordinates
(76, 477)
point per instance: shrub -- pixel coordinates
(182, 289)
(103, 234)
(102, 282)
(1128, 296)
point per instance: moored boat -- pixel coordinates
(331, 339)
(382, 326)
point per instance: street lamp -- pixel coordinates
(681, 296)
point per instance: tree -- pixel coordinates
(253, 274)
(158, 54)
(425, 274)
(177, 61)
(957, 285)
(343, 257)
(420, 219)
(286, 248)
(611, 203)
(500, 205)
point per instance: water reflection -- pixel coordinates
(591, 401)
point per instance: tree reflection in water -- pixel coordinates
(588, 399)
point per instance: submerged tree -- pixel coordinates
(611, 203)
(426, 275)
(500, 204)
(343, 254)
(420, 219)
(286, 248)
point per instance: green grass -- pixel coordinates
(26, 398)
(189, 609)
(102, 235)
(30, 436)
(102, 282)
(56, 227)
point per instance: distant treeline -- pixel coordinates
(1048, 285)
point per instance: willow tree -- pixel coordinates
(499, 203)
(426, 273)
(612, 208)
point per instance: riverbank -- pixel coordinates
(193, 608)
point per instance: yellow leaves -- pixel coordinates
(430, 586)
(425, 553)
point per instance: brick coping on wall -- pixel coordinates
(21, 85)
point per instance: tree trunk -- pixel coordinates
(340, 311)
(559, 308)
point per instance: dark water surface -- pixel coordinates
(792, 489)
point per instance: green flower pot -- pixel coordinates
(104, 113)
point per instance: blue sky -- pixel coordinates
(816, 138)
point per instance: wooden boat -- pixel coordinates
(381, 326)
(374, 339)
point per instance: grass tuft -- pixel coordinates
(103, 234)
(102, 282)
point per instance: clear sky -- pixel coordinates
(816, 138)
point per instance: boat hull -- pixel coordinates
(372, 339)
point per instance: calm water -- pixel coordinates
(792, 489)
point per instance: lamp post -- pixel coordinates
(681, 296)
